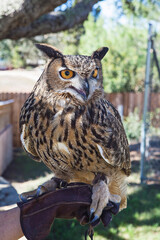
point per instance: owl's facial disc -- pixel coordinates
(75, 85)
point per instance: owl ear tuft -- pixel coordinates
(100, 53)
(49, 51)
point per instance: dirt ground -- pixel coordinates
(152, 162)
(19, 80)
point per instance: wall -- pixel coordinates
(6, 145)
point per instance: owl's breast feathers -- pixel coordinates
(82, 137)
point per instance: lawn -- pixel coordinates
(141, 219)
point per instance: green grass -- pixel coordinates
(140, 221)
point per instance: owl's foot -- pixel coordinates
(48, 186)
(100, 198)
(24, 197)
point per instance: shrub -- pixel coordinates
(132, 125)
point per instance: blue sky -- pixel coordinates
(109, 11)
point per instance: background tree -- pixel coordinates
(28, 18)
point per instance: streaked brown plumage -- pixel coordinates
(70, 126)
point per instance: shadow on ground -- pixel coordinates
(8, 194)
(23, 168)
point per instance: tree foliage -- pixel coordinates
(149, 9)
(124, 69)
(124, 65)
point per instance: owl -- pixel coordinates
(68, 124)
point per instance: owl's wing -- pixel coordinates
(113, 144)
(26, 136)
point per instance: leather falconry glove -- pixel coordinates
(73, 201)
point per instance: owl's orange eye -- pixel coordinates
(67, 74)
(95, 73)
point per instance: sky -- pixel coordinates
(109, 11)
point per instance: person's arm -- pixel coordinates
(10, 227)
(36, 216)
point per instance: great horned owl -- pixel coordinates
(69, 125)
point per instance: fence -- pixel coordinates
(128, 100)
(5, 134)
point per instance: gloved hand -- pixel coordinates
(37, 215)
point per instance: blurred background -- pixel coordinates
(131, 70)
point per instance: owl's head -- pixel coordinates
(79, 76)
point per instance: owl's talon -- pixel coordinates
(50, 185)
(115, 208)
(22, 198)
(91, 213)
(94, 219)
(40, 190)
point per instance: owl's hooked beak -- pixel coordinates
(83, 90)
(85, 86)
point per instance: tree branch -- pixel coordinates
(32, 24)
(18, 13)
